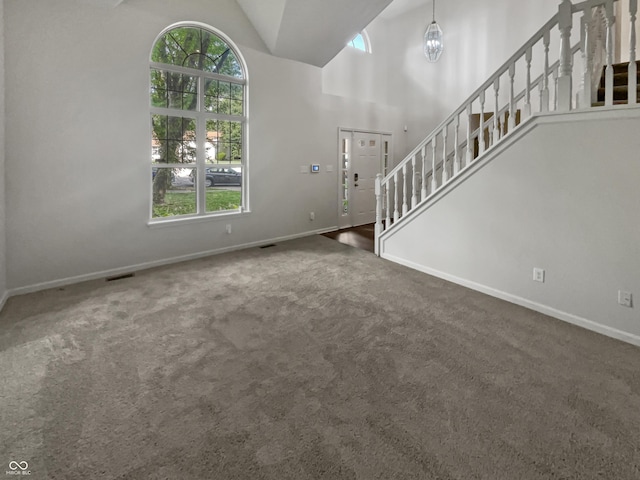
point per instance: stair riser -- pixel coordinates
(620, 79)
(619, 93)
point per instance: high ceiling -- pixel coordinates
(310, 31)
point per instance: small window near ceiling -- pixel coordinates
(361, 42)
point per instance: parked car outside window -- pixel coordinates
(217, 176)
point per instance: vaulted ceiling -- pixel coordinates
(310, 31)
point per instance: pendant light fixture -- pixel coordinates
(433, 39)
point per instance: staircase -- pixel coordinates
(531, 84)
(620, 84)
(537, 169)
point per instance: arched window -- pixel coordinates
(198, 124)
(361, 42)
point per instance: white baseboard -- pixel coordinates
(156, 263)
(523, 302)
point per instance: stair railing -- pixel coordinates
(536, 83)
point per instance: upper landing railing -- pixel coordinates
(531, 82)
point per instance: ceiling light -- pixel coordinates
(433, 39)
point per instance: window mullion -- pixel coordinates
(190, 71)
(201, 135)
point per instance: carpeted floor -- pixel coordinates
(308, 360)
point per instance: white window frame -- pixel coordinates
(365, 39)
(201, 116)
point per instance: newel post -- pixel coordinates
(378, 227)
(565, 22)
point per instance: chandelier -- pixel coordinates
(433, 39)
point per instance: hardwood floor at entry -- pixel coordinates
(359, 237)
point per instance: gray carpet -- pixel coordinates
(308, 360)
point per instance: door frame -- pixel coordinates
(345, 220)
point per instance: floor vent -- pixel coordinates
(120, 277)
(268, 246)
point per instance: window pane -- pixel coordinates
(236, 107)
(193, 47)
(173, 139)
(174, 90)
(173, 191)
(226, 141)
(224, 106)
(358, 42)
(225, 90)
(237, 91)
(224, 97)
(224, 187)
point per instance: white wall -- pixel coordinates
(478, 37)
(356, 74)
(78, 140)
(3, 257)
(564, 198)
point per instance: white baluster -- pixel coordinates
(512, 98)
(456, 152)
(496, 119)
(414, 192)
(633, 68)
(469, 139)
(544, 95)
(527, 102)
(434, 181)
(423, 191)
(387, 220)
(445, 174)
(555, 88)
(608, 74)
(481, 133)
(378, 227)
(565, 22)
(396, 213)
(405, 192)
(584, 97)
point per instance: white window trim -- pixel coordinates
(201, 116)
(366, 40)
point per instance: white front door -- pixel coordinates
(361, 155)
(366, 165)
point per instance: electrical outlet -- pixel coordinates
(538, 275)
(625, 298)
(228, 228)
(312, 215)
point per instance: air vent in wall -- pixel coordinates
(120, 277)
